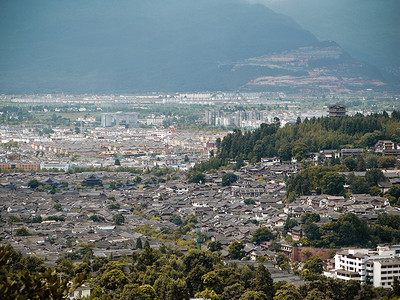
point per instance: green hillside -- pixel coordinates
(311, 135)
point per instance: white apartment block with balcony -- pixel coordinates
(351, 264)
(375, 266)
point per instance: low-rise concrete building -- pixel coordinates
(374, 266)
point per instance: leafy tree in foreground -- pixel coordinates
(65, 267)
(34, 264)
(208, 294)
(235, 250)
(193, 279)
(263, 282)
(233, 292)
(113, 280)
(314, 264)
(146, 244)
(147, 292)
(253, 295)
(167, 288)
(25, 285)
(396, 286)
(288, 292)
(170, 275)
(213, 281)
(205, 259)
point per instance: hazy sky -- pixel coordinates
(131, 44)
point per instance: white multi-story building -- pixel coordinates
(375, 266)
(382, 271)
(55, 165)
(351, 264)
(119, 118)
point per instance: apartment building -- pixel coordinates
(374, 266)
(119, 119)
(381, 272)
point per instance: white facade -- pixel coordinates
(377, 267)
(383, 271)
(119, 118)
(54, 165)
(351, 264)
(81, 292)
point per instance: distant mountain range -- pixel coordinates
(323, 68)
(102, 46)
(368, 29)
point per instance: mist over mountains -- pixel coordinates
(100, 46)
(368, 29)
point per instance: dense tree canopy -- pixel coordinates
(236, 251)
(296, 140)
(151, 274)
(348, 230)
